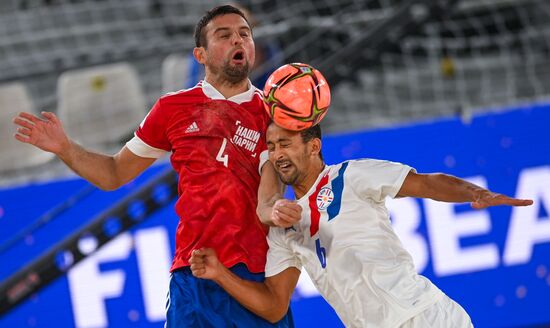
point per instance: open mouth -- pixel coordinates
(283, 166)
(238, 56)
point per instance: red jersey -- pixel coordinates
(216, 145)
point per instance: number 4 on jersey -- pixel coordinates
(221, 157)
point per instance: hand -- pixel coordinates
(205, 264)
(488, 198)
(44, 132)
(286, 213)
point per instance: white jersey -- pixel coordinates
(347, 245)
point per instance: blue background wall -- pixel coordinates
(495, 262)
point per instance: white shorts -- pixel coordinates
(445, 313)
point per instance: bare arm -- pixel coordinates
(272, 209)
(448, 188)
(269, 300)
(105, 171)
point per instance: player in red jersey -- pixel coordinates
(215, 132)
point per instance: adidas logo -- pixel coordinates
(192, 128)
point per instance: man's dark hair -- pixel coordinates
(200, 35)
(312, 133)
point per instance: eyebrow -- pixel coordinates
(278, 140)
(243, 27)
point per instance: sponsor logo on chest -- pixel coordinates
(192, 128)
(245, 137)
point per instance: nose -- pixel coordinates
(277, 153)
(237, 38)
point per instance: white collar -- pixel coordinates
(212, 93)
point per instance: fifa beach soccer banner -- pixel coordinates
(494, 262)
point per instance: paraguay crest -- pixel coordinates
(324, 198)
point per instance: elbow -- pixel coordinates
(276, 316)
(275, 307)
(109, 185)
(106, 187)
(274, 320)
(114, 177)
(259, 211)
(276, 311)
(259, 214)
(263, 211)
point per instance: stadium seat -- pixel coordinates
(100, 107)
(175, 73)
(15, 155)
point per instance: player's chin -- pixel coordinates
(287, 175)
(237, 69)
(287, 180)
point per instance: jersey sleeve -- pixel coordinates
(264, 157)
(150, 138)
(377, 179)
(279, 256)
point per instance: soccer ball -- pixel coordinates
(296, 96)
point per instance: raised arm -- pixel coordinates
(105, 171)
(273, 209)
(448, 188)
(269, 300)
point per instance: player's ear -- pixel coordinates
(315, 146)
(200, 54)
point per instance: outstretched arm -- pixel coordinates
(269, 300)
(105, 171)
(273, 209)
(448, 188)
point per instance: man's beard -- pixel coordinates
(289, 180)
(237, 73)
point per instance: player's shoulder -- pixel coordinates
(256, 99)
(365, 165)
(255, 106)
(342, 166)
(372, 162)
(184, 96)
(258, 93)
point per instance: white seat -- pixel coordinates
(175, 73)
(101, 106)
(15, 155)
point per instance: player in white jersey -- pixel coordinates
(345, 240)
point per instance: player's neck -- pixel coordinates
(226, 88)
(302, 187)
